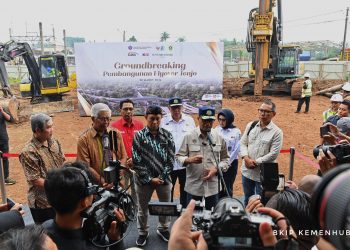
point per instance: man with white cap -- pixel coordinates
(306, 94)
(336, 100)
(346, 89)
(178, 124)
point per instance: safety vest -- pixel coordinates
(308, 90)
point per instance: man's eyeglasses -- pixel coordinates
(127, 109)
(265, 111)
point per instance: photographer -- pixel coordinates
(67, 190)
(183, 239)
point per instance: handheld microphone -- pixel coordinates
(210, 139)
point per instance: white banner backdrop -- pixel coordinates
(149, 73)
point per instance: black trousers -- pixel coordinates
(301, 101)
(4, 147)
(229, 179)
(41, 215)
(181, 175)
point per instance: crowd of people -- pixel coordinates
(154, 156)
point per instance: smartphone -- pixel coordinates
(281, 182)
(324, 130)
(10, 203)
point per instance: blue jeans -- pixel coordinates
(210, 201)
(250, 188)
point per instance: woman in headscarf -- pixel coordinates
(232, 135)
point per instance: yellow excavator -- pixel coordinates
(49, 77)
(274, 69)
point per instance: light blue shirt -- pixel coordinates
(231, 137)
(178, 130)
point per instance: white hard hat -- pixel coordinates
(337, 98)
(306, 75)
(346, 87)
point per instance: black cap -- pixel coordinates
(175, 101)
(207, 113)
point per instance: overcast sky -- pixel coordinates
(196, 20)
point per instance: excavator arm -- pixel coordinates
(11, 50)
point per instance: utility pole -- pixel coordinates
(54, 39)
(41, 38)
(346, 27)
(65, 43)
(124, 36)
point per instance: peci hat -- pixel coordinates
(175, 101)
(207, 113)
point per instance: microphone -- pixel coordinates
(210, 139)
(204, 143)
(105, 141)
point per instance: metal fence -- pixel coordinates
(324, 70)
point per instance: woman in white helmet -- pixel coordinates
(306, 94)
(336, 99)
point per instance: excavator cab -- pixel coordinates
(53, 76)
(288, 62)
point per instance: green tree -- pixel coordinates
(164, 36)
(132, 39)
(181, 39)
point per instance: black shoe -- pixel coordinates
(142, 240)
(9, 181)
(165, 235)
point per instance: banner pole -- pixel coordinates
(2, 180)
(291, 163)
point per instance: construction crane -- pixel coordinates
(274, 68)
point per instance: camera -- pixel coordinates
(228, 226)
(101, 213)
(324, 130)
(271, 181)
(340, 151)
(330, 205)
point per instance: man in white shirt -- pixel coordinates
(260, 143)
(178, 124)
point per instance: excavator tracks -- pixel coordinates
(233, 87)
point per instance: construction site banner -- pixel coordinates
(149, 74)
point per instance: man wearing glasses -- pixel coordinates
(128, 126)
(91, 143)
(178, 124)
(260, 143)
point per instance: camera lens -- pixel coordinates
(331, 206)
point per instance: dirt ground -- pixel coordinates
(300, 131)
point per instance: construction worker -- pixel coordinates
(306, 94)
(336, 99)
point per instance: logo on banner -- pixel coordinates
(130, 47)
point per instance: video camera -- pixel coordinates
(340, 151)
(271, 181)
(101, 213)
(228, 226)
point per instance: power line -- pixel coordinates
(321, 22)
(310, 17)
